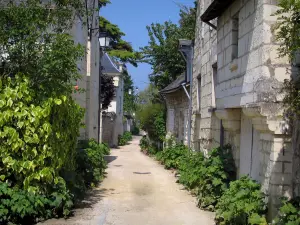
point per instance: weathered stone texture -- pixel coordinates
(177, 115)
(243, 95)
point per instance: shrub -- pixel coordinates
(128, 136)
(242, 203)
(190, 170)
(152, 120)
(144, 143)
(289, 213)
(172, 156)
(90, 162)
(37, 139)
(136, 130)
(218, 169)
(121, 140)
(21, 207)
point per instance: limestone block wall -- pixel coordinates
(79, 33)
(89, 69)
(108, 127)
(93, 59)
(240, 96)
(205, 126)
(249, 70)
(177, 115)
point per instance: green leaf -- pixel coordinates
(58, 101)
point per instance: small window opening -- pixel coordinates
(235, 36)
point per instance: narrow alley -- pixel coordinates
(137, 191)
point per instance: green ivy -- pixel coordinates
(289, 213)
(242, 203)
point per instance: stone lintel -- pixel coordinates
(267, 117)
(231, 118)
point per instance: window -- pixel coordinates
(199, 93)
(235, 36)
(214, 83)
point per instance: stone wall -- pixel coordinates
(239, 100)
(251, 71)
(177, 115)
(205, 126)
(108, 128)
(89, 69)
(79, 33)
(93, 59)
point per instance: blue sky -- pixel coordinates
(132, 16)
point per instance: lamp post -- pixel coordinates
(104, 42)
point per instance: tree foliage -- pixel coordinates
(40, 121)
(27, 46)
(107, 84)
(152, 120)
(129, 105)
(162, 51)
(120, 49)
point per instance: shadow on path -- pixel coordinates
(110, 158)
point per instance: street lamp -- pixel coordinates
(104, 42)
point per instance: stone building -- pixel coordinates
(112, 118)
(177, 104)
(89, 69)
(237, 79)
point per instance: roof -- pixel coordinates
(175, 85)
(216, 8)
(109, 66)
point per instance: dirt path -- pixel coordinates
(137, 191)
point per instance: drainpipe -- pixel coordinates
(186, 48)
(189, 114)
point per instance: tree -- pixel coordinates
(129, 105)
(27, 46)
(102, 3)
(120, 49)
(40, 120)
(162, 51)
(107, 84)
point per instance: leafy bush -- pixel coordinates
(242, 203)
(125, 138)
(128, 136)
(90, 162)
(207, 176)
(190, 170)
(37, 139)
(144, 143)
(152, 120)
(136, 130)
(218, 169)
(289, 213)
(121, 140)
(21, 207)
(171, 157)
